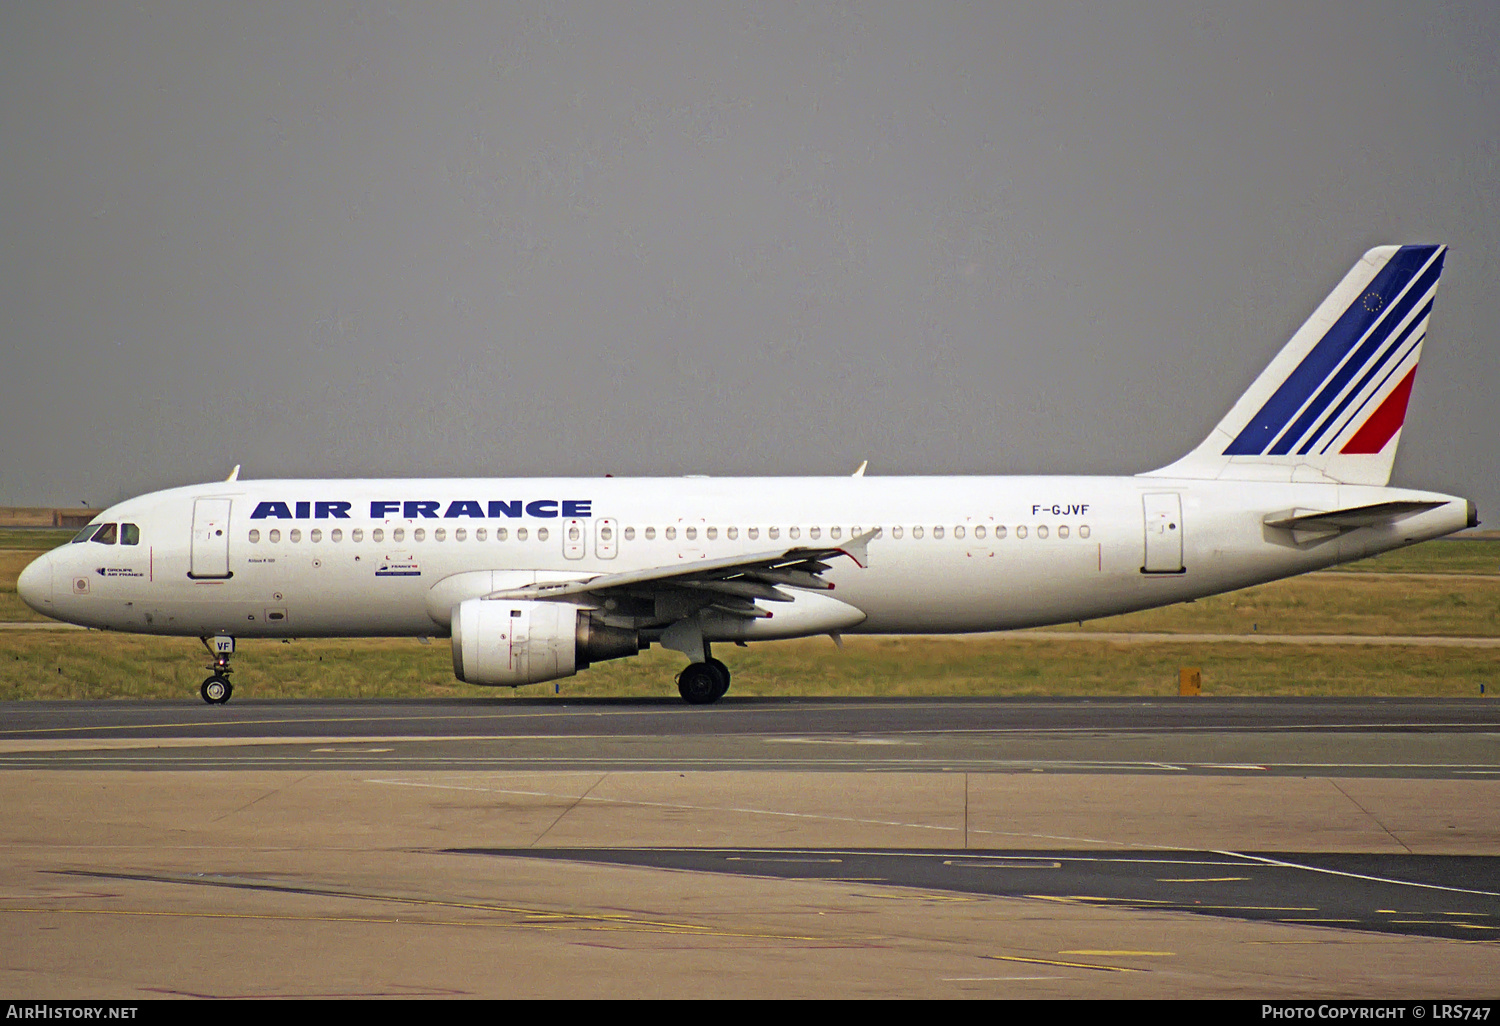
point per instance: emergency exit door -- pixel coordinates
(574, 540)
(1163, 512)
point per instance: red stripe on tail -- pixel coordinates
(1384, 422)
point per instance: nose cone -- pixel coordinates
(35, 585)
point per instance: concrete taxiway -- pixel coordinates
(1122, 848)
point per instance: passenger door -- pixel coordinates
(1163, 512)
(210, 556)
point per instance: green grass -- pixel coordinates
(71, 665)
(1451, 606)
(12, 609)
(1457, 556)
(38, 539)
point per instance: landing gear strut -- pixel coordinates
(217, 689)
(703, 683)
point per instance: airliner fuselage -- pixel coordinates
(954, 554)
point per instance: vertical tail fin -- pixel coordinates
(1331, 404)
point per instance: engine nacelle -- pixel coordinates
(511, 643)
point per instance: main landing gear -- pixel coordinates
(703, 683)
(217, 689)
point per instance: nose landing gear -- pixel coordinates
(216, 690)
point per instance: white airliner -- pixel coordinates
(534, 579)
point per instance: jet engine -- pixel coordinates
(511, 643)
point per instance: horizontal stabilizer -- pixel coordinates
(1349, 519)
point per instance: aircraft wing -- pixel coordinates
(733, 582)
(1349, 519)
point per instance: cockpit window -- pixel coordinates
(85, 534)
(106, 534)
(130, 534)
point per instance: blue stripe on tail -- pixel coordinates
(1267, 424)
(1393, 315)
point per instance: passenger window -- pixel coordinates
(296, 534)
(440, 534)
(937, 532)
(1083, 531)
(916, 531)
(358, 534)
(605, 534)
(315, 535)
(106, 534)
(999, 531)
(671, 533)
(397, 534)
(541, 534)
(794, 532)
(254, 536)
(836, 533)
(958, 532)
(773, 533)
(275, 535)
(732, 533)
(979, 530)
(1062, 531)
(378, 535)
(336, 535)
(650, 534)
(754, 533)
(692, 533)
(1021, 531)
(520, 534)
(501, 534)
(130, 534)
(896, 532)
(1041, 532)
(815, 532)
(630, 534)
(480, 534)
(420, 534)
(459, 534)
(713, 534)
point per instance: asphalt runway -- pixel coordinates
(1272, 848)
(1381, 737)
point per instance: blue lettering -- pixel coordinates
(412, 509)
(464, 508)
(337, 510)
(304, 510)
(271, 509)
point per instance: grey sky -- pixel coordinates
(490, 239)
